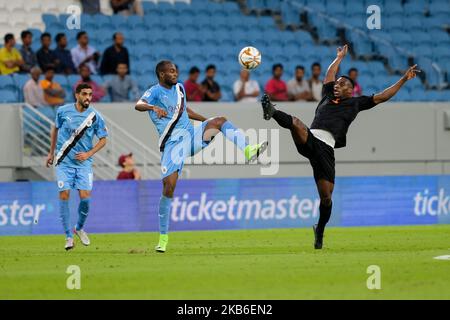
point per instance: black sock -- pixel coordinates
(283, 119)
(325, 214)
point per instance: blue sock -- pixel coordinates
(164, 214)
(64, 213)
(83, 211)
(234, 135)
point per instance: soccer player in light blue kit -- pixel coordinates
(178, 139)
(72, 136)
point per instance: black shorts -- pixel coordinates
(321, 157)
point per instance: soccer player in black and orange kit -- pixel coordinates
(333, 116)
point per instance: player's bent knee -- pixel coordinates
(64, 195)
(168, 190)
(326, 200)
(297, 123)
(218, 122)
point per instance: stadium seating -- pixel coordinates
(214, 33)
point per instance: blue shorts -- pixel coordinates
(74, 178)
(175, 151)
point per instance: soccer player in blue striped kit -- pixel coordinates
(166, 105)
(72, 136)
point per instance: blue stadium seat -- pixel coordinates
(183, 9)
(290, 14)
(136, 23)
(103, 21)
(119, 21)
(232, 8)
(7, 82)
(149, 7)
(353, 7)
(72, 79)
(8, 96)
(61, 79)
(336, 8)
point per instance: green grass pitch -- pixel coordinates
(245, 264)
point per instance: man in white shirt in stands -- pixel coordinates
(315, 83)
(32, 91)
(83, 53)
(244, 89)
(298, 87)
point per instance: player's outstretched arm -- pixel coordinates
(142, 106)
(195, 116)
(51, 153)
(388, 93)
(333, 68)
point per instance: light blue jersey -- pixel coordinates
(173, 101)
(76, 132)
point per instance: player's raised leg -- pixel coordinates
(325, 189)
(298, 129)
(83, 212)
(235, 135)
(169, 184)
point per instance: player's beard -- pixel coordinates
(85, 104)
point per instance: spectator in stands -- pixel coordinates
(122, 87)
(127, 7)
(129, 172)
(212, 88)
(91, 6)
(63, 55)
(194, 90)
(114, 55)
(46, 57)
(32, 90)
(298, 88)
(97, 90)
(315, 83)
(54, 94)
(28, 55)
(10, 58)
(276, 88)
(83, 53)
(353, 74)
(244, 89)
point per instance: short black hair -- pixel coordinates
(277, 65)
(115, 35)
(194, 70)
(315, 64)
(349, 79)
(45, 34)
(161, 65)
(49, 69)
(8, 37)
(300, 67)
(352, 69)
(210, 66)
(25, 33)
(80, 34)
(82, 86)
(59, 36)
(83, 65)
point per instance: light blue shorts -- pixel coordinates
(176, 151)
(74, 178)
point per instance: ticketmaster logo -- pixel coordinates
(232, 209)
(426, 203)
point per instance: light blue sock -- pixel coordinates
(64, 213)
(234, 135)
(164, 214)
(83, 211)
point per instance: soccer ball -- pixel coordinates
(249, 58)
